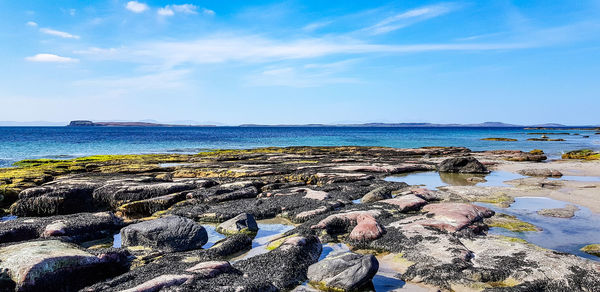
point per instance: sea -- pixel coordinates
(18, 143)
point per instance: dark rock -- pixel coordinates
(171, 233)
(74, 228)
(462, 165)
(243, 223)
(346, 272)
(378, 194)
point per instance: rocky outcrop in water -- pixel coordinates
(171, 233)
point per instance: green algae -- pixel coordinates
(593, 249)
(511, 223)
(586, 154)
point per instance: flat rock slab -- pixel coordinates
(243, 223)
(53, 265)
(452, 217)
(567, 212)
(345, 272)
(406, 203)
(540, 172)
(171, 233)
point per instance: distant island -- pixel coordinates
(87, 123)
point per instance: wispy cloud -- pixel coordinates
(409, 17)
(58, 33)
(50, 58)
(296, 77)
(32, 24)
(136, 7)
(316, 25)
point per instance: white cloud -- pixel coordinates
(32, 24)
(170, 10)
(296, 77)
(316, 25)
(58, 33)
(208, 11)
(165, 11)
(136, 7)
(50, 58)
(409, 17)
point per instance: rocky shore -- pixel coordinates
(63, 218)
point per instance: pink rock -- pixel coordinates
(211, 269)
(406, 203)
(454, 216)
(366, 228)
(351, 217)
(386, 168)
(308, 214)
(160, 282)
(56, 228)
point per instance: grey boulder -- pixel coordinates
(346, 271)
(172, 233)
(242, 223)
(378, 194)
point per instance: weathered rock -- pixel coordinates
(366, 228)
(285, 267)
(171, 233)
(406, 203)
(378, 194)
(117, 193)
(225, 193)
(75, 227)
(243, 223)
(565, 212)
(541, 172)
(347, 218)
(346, 272)
(145, 208)
(53, 265)
(462, 165)
(449, 217)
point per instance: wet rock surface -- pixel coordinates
(565, 212)
(171, 233)
(336, 195)
(346, 272)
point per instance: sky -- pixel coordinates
(295, 62)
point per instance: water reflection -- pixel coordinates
(433, 179)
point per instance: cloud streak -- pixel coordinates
(50, 58)
(409, 17)
(58, 33)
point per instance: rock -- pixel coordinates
(285, 266)
(406, 203)
(451, 217)
(587, 154)
(53, 265)
(500, 139)
(347, 218)
(510, 222)
(386, 168)
(462, 165)
(243, 223)
(117, 193)
(476, 179)
(224, 193)
(160, 282)
(593, 249)
(540, 172)
(345, 272)
(366, 228)
(145, 208)
(211, 269)
(171, 233)
(74, 228)
(566, 212)
(378, 194)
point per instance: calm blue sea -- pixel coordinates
(17, 143)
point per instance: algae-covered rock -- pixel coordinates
(53, 265)
(586, 154)
(510, 222)
(242, 223)
(171, 233)
(378, 194)
(593, 249)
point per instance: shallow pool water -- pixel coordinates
(433, 179)
(267, 231)
(8, 218)
(213, 236)
(577, 178)
(561, 234)
(117, 240)
(173, 164)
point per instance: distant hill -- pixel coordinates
(85, 123)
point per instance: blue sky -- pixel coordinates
(274, 62)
